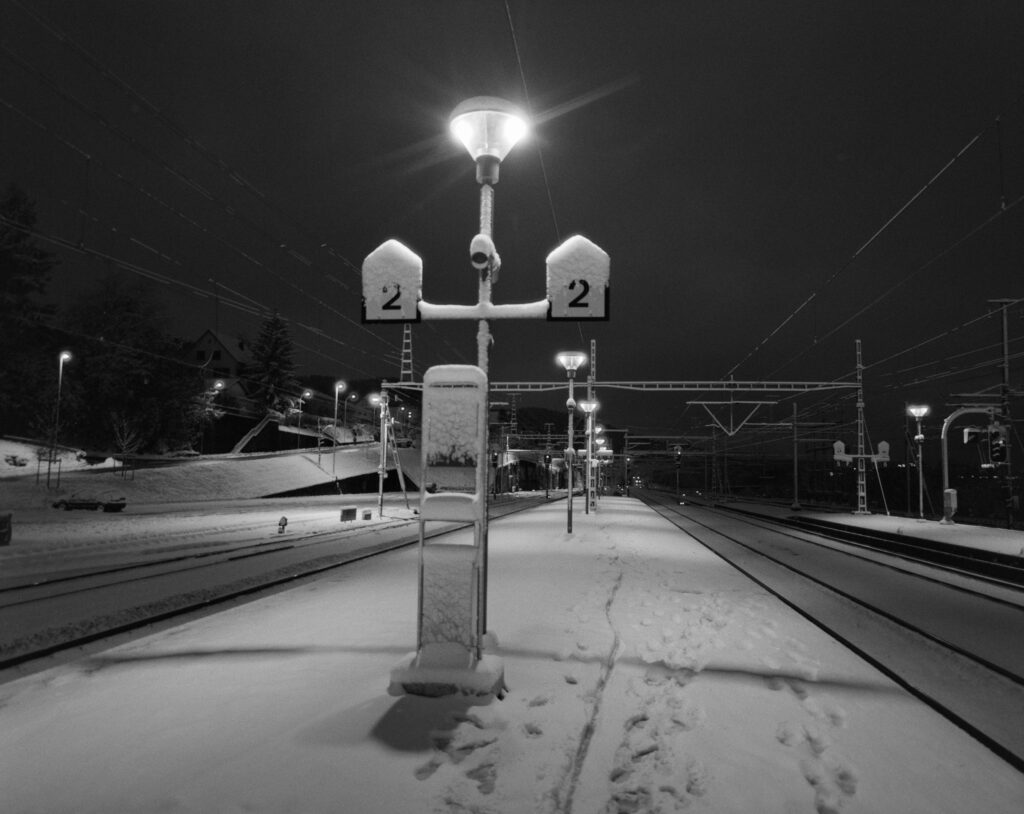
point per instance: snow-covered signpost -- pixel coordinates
(577, 288)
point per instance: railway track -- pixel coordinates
(994, 566)
(50, 614)
(949, 638)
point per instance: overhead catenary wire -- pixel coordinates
(195, 145)
(853, 259)
(180, 214)
(1004, 209)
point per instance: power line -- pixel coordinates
(835, 274)
(1004, 208)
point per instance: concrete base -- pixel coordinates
(448, 669)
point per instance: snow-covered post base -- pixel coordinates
(446, 668)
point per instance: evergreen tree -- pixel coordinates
(272, 369)
(130, 390)
(28, 349)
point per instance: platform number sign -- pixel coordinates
(392, 281)
(578, 278)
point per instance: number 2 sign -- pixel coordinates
(578, 276)
(392, 280)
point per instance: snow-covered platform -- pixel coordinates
(986, 538)
(644, 674)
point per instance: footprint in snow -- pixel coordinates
(485, 776)
(689, 716)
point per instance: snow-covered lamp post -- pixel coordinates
(65, 356)
(577, 288)
(919, 411)
(571, 361)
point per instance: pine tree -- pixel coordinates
(129, 389)
(272, 369)
(28, 349)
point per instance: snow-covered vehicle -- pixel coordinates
(90, 502)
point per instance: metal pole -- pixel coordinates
(570, 453)
(625, 464)
(334, 446)
(920, 471)
(382, 467)
(796, 471)
(56, 417)
(586, 464)
(947, 517)
(483, 342)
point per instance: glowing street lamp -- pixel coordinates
(571, 361)
(339, 387)
(919, 411)
(488, 128)
(65, 356)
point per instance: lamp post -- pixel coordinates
(351, 397)
(600, 459)
(392, 276)
(571, 361)
(919, 411)
(218, 387)
(298, 426)
(65, 356)
(382, 466)
(339, 387)
(589, 407)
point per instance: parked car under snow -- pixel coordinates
(90, 502)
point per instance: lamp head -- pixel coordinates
(919, 411)
(65, 356)
(588, 406)
(488, 128)
(340, 386)
(572, 359)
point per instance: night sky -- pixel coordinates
(772, 181)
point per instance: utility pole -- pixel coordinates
(862, 475)
(1004, 392)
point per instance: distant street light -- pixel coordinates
(339, 387)
(571, 361)
(298, 427)
(919, 411)
(65, 356)
(589, 407)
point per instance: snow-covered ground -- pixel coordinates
(202, 479)
(644, 675)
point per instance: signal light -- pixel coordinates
(997, 443)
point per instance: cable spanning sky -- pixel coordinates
(771, 181)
